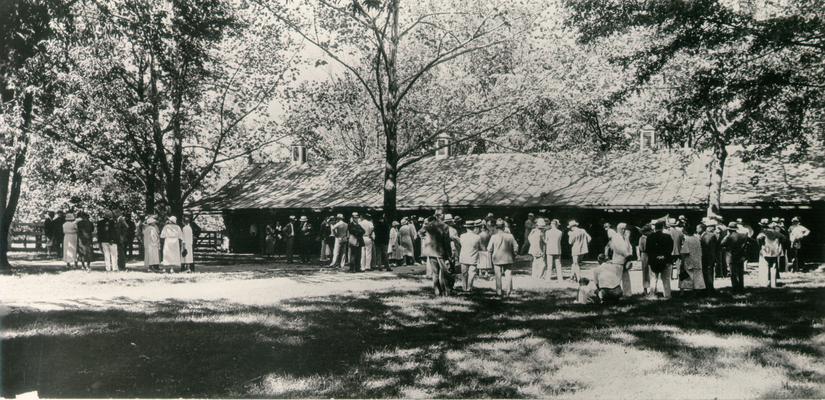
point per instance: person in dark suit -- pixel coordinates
(735, 247)
(289, 232)
(660, 257)
(122, 237)
(356, 242)
(710, 251)
(303, 238)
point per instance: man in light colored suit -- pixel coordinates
(369, 236)
(552, 247)
(341, 232)
(578, 239)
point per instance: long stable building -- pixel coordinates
(621, 186)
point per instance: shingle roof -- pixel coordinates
(617, 180)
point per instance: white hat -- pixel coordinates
(303, 218)
(448, 218)
(173, 220)
(572, 223)
(541, 223)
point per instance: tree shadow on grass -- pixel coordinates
(398, 343)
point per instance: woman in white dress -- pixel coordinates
(70, 241)
(394, 250)
(173, 241)
(189, 245)
(151, 244)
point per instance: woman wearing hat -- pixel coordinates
(173, 244)
(537, 247)
(406, 236)
(394, 250)
(70, 241)
(151, 243)
(485, 262)
(85, 231)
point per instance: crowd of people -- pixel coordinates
(166, 245)
(665, 249)
(456, 252)
(672, 249)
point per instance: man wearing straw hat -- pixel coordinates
(303, 238)
(289, 237)
(578, 240)
(735, 246)
(369, 237)
(659, 249)
(796, 233)
(470, 248)
(503, 248)
(552, 247)
(537, 248)
(107, 238)
(710, 252)
(678, 240)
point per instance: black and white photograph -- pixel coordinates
(577, 199)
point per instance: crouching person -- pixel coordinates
(588, 292)
(607, 278)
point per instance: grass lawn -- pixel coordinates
(283, 331)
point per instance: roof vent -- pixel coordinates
(298, 153)
(442, 146)
(647, 138)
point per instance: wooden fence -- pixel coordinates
(30, 237)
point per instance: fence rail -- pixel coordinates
(30, 237)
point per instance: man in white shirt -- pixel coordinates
(608, 280)
(796, 233)
(341, 231)
(552, 247)
(369, 236)
(470, 243)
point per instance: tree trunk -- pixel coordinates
(9, 206)
(391, 119)
(149, 195)
(391, 176)
(717, 166)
